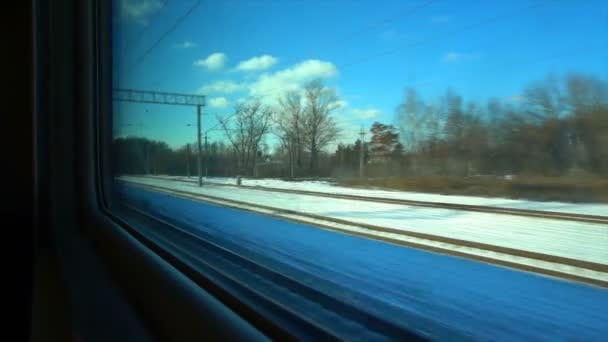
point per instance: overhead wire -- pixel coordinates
(422, 42)
(406, 13)
(483, 22)
(572, 51)
(480, 23)
(383, 22)
(138, 37)
(166, 33)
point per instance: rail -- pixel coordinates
(281, 213)
(545, 214)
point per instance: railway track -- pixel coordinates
(227, 266)
(551, 265)
(441, 205)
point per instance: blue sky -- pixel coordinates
(369, 51)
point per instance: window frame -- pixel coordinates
(173, 300)
(73, 61)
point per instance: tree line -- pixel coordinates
(557, 126)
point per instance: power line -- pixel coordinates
(383, 22)
(579, 50)
(352, 35)
(137, 38)
(573, 51)
(221, 121)
(489, 20)
(365, 59)
(466, 28)
(481, 23)
(173, 27)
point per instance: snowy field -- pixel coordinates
(575, 240)
(407, 286)
(323, 186)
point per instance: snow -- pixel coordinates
(424, 291)
(575, 240)
(324, 186)
(352, 229)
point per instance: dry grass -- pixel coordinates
(580, 189)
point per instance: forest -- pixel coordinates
(549, 141)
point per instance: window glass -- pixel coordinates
(440, 166)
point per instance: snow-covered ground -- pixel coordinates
(403, 285)
(323, 186)
(582, 241)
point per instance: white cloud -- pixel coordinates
(221, 87)
(186, 45)
(218, 102)
(292, 78)
(257, 63)
(139, 10)
(214, 61)
(368, 113)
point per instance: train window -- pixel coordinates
(374, 170)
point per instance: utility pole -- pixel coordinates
(188, 160)
(361, 153)
(292, 155)
(147, 157)
(255, 164)
(198, 138)
(206, 157)
(163, 98)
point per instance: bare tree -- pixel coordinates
(420, 127)
(585, 92)
(411, 120)
(289, 120)
(251, 121)
(319, 127)
(545, 99)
